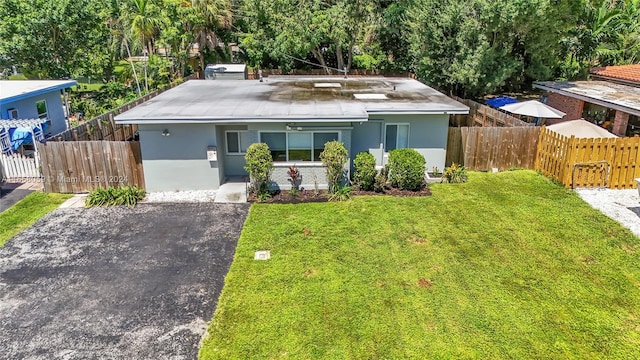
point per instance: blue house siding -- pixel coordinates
(27, 110)
(427, 134)
(179, 162)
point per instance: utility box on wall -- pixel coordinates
(212, 153)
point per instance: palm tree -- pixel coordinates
(217, 15)
(144, 26)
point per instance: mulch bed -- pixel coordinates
(306, 196)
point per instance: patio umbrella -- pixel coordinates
(533, 108)
(580, 129)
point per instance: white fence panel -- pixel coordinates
(17, 166)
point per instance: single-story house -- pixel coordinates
(194, 136)
(36, 99)
(611, 99)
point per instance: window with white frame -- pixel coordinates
(41, 106)
(13, 114)
(237, 142)
(297, 145)
(396, 137)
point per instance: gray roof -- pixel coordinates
(282, 99)
(14, 90)
(604, 93)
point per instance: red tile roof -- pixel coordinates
(623, 72)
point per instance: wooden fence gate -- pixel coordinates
(485, 148)
(601, 162)
(82, 166)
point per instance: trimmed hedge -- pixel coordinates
(364, 173)
(406, 169)
(259, 164)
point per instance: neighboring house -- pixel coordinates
(194, 136)
(35, 99)
(611, 99)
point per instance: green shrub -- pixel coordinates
(364, 174)
(454, 174)
(343, 193)
(259, 165)
(380, 183)
(113, 196)
(406, 169)
(334, 157)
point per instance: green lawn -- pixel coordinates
(508, 265)
(25, 212)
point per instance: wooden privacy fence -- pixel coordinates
(102, 127)
(485, 148)
(483, 115)
(81, 166)
(601, 162)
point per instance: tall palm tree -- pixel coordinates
(217, 15)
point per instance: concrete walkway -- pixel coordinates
(77, 201)
(232, 193)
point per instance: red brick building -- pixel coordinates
(611, 99)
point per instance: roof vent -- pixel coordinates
(327, 85)
(370, 96)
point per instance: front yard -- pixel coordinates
(508, 265)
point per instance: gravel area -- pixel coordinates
(181, 196)
(620, 205)
(116, 282)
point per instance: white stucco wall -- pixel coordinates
(27, 110)
(179, 162)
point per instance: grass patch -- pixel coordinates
(508, 265)
(27, 211)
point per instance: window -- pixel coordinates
(298, 145)
(41, 106)
(598, 115)
(237, 142)
(633, 126)
(396, 137)
(13, 114)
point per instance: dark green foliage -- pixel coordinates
(364, 173)
(406, 169)
(334, 157)
(380, 183)
(343, 193)
(454, 174)
(259, 165)
(113, 196)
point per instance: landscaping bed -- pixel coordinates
(508, 265)
(307, 196)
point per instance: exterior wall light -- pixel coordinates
(166, 132)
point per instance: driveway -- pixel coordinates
(116, 283)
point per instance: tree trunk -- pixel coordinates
(318, 55)
(339, 56)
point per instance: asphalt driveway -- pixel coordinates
(116, 283)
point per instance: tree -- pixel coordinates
(477, 47)
(53, 39)
(286, 30)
